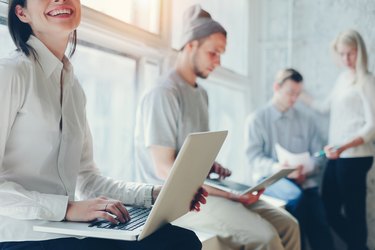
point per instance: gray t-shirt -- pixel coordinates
(165, 116)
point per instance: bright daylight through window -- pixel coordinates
(144, 14)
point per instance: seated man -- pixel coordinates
(179, 106)
(281, 123)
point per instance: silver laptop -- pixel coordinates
(190, 169)
(241, 189)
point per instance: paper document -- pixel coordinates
(294, 160)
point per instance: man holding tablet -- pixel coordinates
(280, 125)
(178, 106)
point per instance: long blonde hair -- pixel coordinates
(354, 39)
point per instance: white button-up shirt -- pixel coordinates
(42, 167)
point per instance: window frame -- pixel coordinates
(160, 23)
(117, 37)
(125, 39)
(129, 38)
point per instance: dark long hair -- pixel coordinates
(20, 32)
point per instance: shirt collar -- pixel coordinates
(276, 114)
(47, 60)
(181, 81)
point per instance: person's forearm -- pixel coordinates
(163, 170)
(163, 159)
(216, 192)
(351, 144)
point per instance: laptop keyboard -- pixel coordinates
(138, 217)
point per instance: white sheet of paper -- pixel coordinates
(294, 160)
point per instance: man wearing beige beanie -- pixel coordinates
(178, 106)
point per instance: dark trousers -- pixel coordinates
(344, 197)
(167, 238)
(307, 207)
(309, 211)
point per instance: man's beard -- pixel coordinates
(198, 72)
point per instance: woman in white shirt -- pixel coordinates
(351, 135)
(45, 143)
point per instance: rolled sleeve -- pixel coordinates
(136, 194)
(147, 200)
(52, 207)
(367, 133)
(18, 203)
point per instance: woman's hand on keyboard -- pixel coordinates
(101, 207)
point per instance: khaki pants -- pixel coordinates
(259, 226)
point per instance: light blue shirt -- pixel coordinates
(293, 130)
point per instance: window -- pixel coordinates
(151, 73)
(223, 117)
(5, 40)
(110, 106)
(124, 68)
(144, 14)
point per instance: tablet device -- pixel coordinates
(241, 189)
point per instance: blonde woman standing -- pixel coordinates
(350, 149)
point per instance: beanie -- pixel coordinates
(198, 23)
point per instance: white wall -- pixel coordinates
(298, 33)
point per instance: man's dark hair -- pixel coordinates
(288, 74)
